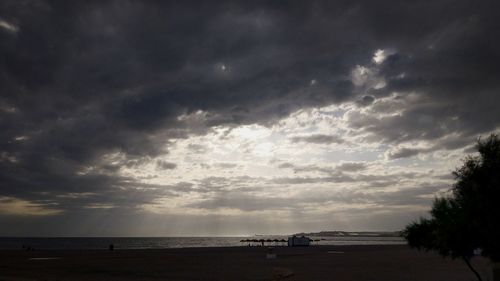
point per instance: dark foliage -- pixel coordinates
(469, 218)
(477, 192)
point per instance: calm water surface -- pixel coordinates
(173, 242)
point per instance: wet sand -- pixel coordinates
(388, 262)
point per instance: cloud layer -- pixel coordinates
(203, 111)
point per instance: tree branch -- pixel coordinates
(467, 261)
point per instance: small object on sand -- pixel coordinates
(478, 251)
(111, 247)
(282, 273)
(41, 259)
(270, 253)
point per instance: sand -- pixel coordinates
(388, 262)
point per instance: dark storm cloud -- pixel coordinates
(164, 165)
(365, 100)
(404, 152)
(80, 80)
(338, 169)
(447, 143)
(452, 68)
(318, 139)
(365, 179)
(420, 195)
(351, 167)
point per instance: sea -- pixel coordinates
(76, 243)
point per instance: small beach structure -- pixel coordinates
(270, 253)
(297, 241)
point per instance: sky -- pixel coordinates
(202, 118)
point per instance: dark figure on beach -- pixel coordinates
(111, 247)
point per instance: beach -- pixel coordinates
(376, 262)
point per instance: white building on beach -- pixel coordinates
(295, 241)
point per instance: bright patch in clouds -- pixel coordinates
(8, 26)
(314, 162)
(20, 207)
(381, 55)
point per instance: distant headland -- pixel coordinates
(353, 233)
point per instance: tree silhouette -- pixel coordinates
(469, 218)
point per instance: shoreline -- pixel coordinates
(199, 247)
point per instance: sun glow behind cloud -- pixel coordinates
(256, 170)
(18, 207)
